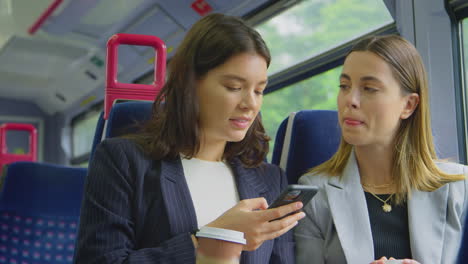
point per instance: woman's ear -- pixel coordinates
(412, 101)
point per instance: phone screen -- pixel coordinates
(295, 193)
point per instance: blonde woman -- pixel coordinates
(384, 194)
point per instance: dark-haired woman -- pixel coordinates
(197, 163)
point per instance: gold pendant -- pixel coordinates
(386, 207)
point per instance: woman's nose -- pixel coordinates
(249, 100)
(353, 98)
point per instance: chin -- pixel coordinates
(355, 140)
(237, 137)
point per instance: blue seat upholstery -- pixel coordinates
(463, 251)
(98, 134)
(127, 117)
(304, 140)
(39, 212)
(124, 118)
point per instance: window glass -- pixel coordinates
(82, 165)
(315, 26)
(464, 48)
(17, 141)
(83, 133)
(317, 92)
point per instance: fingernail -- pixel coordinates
(295, 223)
(299, 205)
(302, 215)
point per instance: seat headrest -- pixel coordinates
(42, 189)
(304, 140)
(124, 118)
(127, 117)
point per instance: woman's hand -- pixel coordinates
(252, 217)
(383, 260)
(218, 251)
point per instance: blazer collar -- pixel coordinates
(348, 207)
(426, 218)
(249, 183)
(427, 212)
(178, 200)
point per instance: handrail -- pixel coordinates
(46, 14)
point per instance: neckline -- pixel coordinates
(383, 194)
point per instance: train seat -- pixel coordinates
(98, 134)
(123, 118)
(39, 212)
(305, 139)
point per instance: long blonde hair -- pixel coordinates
(413, 165)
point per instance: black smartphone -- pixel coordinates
(295, 193)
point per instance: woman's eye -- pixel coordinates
(370, 89)
(232, 88)
(343, 86)
(259, 92)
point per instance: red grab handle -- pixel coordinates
(116, 90)
(7, 158)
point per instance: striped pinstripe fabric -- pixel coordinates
(136, 210)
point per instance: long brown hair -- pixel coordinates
(174, 125)
(413, 164)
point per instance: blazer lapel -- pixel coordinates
(177, 199)
(249, 184)
(426, 219)
(351, 218)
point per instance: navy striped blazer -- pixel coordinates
(137, 210)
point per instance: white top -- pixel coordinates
(212, 187)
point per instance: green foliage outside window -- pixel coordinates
(316, 26)
(318, 92)
(19, 151)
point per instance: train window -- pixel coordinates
(83, 164)
(464, 52)
(83, 128)
(312, 27)
(17, 142)
(317, 92)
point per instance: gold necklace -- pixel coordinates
(386, 207)
(381, 186)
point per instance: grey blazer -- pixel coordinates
(337, 227)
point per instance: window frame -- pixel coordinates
(321, 63)
(458, 11)
(94, 109)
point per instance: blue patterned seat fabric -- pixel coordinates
(39, 212)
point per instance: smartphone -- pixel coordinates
(295, 193)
